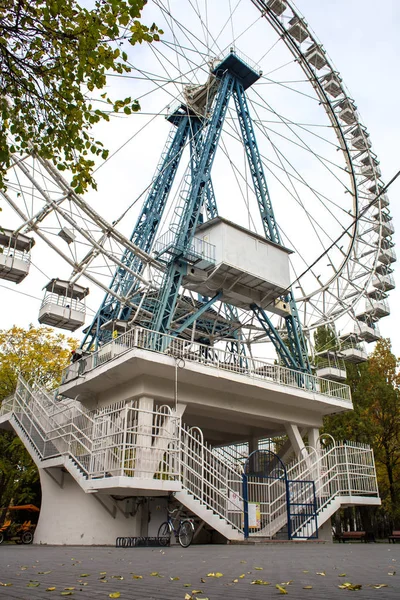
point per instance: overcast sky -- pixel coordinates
(361, 37)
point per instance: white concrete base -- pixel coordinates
(69, 516)
(325, 531)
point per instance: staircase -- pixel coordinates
(123, 445)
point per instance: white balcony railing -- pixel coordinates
(217, 358)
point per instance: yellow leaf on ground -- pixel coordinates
(187, 585)
(307, 587)
(306, 571)
(242, 575)
(350, 586)
(188, 597)
(281, 589)
(322, 573)
(114, 595)
(287, 582)
(378, 586)
(50, 589)
(69, 588)
(258, 568)
(116, 576)
(6, 584)
(137, 576)
(84, 575)
(174, 578)
(342, 575)
(67, 594)
(154, 574)
(197, 591)
(260, 582)
(219, 574)
(33, 584)
(103, 573)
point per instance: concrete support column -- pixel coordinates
(143, 437)
(295, 439)
(313, 435)
(253, 444)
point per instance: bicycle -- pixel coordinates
(184, 533)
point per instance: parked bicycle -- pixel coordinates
(183, 533)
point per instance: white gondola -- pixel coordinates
(316, 56)
(360, 138)
(387, 228)
(384, 282)
(352, 350)
(63, 305)
(330, 366)
(387, 256)
(348, 111)
(277, 6)
(367, 331)
(375, 309)
(382, 201)
(332, 84)
(298, 29)
(15, 255)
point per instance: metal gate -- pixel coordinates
(265, 495)
(275, 505)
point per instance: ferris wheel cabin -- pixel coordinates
(14, 255)
(63, 305)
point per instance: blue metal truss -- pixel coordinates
(204, 137)
(295, 335)
(192, 202)
(123, 283)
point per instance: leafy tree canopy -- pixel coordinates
(53, 53)
(37, 353)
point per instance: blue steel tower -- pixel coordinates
(164, 312)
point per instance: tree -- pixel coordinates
(38, 354)
(375, 420)
(53, 53)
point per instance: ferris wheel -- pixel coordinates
(293, 138)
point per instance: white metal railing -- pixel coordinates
(64, 301)
(125, 439)
(218, 358)
(215, 483)
(198, 249)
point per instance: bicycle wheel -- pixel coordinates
(164, 532)
(27, 537)
(185, 534)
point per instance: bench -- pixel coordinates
(352, 535)
(394, 537)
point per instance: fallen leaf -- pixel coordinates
(6, 584)
(307, 587)
(243, 562)
(260, 582)
(69, 589)
(258, 568)
(235, 581)
(197, 591)
(84, 575)
(287, 582)
(67, 594)
(281, 589)
(43, 572)
(306, 571)
(117, 576)
(322, 573)
(174, 578)
(393, 573)
(114, 595)
(202, 580)
(188, 597)
(50, 589)
(242, 575)
(33, 584)
(103, 573)
(350, 586)
(342, 575)
(378, 586)
(137, 576)
(154, 574)
(187, 585)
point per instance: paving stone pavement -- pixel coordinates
(64, 567)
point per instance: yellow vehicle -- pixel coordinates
(19, 523)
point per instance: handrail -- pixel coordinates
(218, 358)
